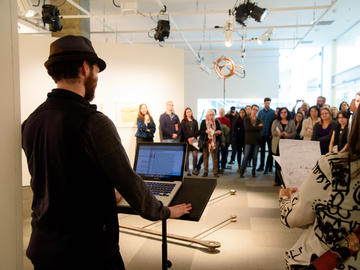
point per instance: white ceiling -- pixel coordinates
(295, 22)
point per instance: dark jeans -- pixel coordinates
(266, 140)
(277, 169)
(251, 150)
(233, 147)
(224, 155)
(240, 149)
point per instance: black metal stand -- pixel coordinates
(187, 193)
(165, 262)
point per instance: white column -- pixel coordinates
(11, 251)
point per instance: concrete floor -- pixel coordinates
(256, 241)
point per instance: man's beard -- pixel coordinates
(90, 85)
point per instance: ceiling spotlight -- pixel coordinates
(30, 13)
(228, 32)
(162, 31)
(266, 36)
(243, 11)
(50, 15)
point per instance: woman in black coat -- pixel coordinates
(189, 133)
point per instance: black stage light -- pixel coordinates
(257, 12)
(50, 15)
(162, 31)
(243, 11)
(241, 14)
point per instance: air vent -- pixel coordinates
(325, 23)
(306, 42)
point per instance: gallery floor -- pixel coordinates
(256, 241)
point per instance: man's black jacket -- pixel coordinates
(76, 159)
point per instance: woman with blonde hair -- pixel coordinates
(145, 125)
(210, 130)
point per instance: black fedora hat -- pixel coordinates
(71, 48)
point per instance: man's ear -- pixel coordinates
(85, 69)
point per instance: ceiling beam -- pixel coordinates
(206, 29)
(105, 25)
(333, 2)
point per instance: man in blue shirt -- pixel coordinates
(169, 124)
(266, 115)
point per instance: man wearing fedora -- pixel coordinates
(76, 160)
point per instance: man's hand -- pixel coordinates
(117, 196)
(179, 210)
(174, 136)
(260, 125)
(286, 192)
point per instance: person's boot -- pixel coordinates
(195, 172)
(242, 171)
(253, 173)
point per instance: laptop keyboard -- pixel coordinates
(160, 189)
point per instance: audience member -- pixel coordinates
(209, 131)
(344, 106)
(309, 123)
(338, 142)
(323, 130)
(169, 124)
(304, 108)
(224, 147)
(266, 116)
(353, 107)
(320, 102)
(299, 117)
(327, 208)
(253, 127)
(145, 125)
(282, 128)
(248, 110)
(240, 135)
(334, 111)
(232, 115)
(225, 141)
(189, 133)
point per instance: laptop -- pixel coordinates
(161, 165)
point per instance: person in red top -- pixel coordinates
(223, 119)
(224, 148)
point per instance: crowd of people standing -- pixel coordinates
(249, 131)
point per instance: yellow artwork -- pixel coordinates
(129, 114)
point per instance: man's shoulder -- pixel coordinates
(99, 119)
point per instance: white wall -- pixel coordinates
(11, 251)
(134, 75)
(262, 77)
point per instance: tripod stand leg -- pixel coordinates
(165, 262)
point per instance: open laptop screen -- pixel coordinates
(160, 161)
